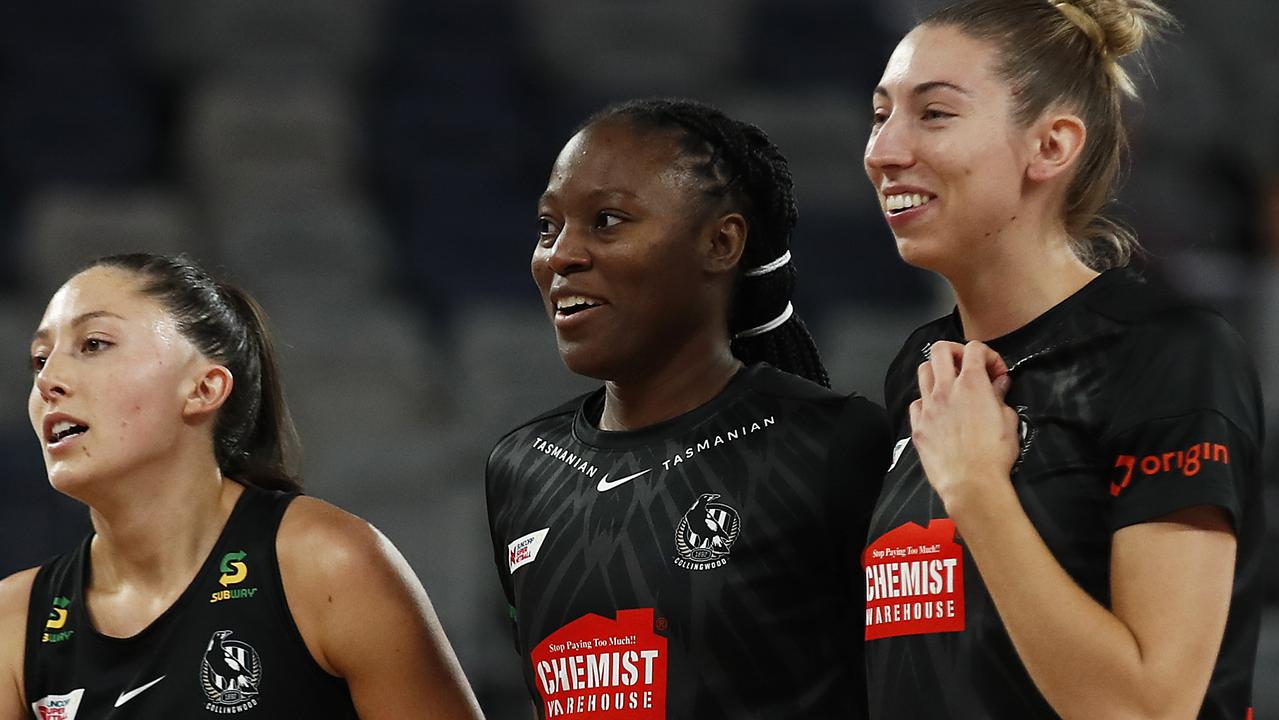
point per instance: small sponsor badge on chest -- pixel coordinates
(58, 707)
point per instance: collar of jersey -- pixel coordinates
(1029, 338)
(586, 420)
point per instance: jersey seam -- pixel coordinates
(1113, 435)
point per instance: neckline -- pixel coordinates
(587, 431)
(86, 619)
(1022, 336)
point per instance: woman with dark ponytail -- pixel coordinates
(682, 542)
(1079, 447)
(209, 586)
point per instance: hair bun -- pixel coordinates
(1117, 28)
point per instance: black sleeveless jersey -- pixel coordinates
(1133, 404)
(705, 567)
(228, 646)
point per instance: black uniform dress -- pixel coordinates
(228, 646)
(705, 567)
(1133, 404)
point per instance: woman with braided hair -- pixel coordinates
(1077, 474)
(209, 586)
(682, 542)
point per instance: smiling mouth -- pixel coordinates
(900, 203)
(64, 430)
(569, 306)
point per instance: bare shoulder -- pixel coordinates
(338, 570)
(15, 597)
(318, 541)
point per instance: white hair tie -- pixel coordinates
(768, 268)
(768, 326)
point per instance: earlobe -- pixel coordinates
(209, 392)
(727, 241)
(1059, 144)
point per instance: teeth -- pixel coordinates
(903, 201)
(569, 301)
(65, 429)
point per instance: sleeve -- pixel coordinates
(861, 447)
(495, 493)
(1186, 429)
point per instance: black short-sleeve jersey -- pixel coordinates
(704, 567)
(1133, 404)
(227, 646)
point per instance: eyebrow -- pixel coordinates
(79, 320)
(596, 194)
(929, 86)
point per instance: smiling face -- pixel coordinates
(617, 259)
(946, 159)
(112, 376)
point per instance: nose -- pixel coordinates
(889, 146)
(52, 381)
(568, 254)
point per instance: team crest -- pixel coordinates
(1025, 434)
(230, 674)
(706, 534)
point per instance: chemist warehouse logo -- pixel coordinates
(603, 669)
(1189, 462)
(914, 581)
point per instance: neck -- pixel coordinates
(1021, 280)
(160, 542)
(685, 381)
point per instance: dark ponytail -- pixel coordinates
(254, 439)
(743, 170)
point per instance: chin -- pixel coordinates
(585, 364)
(592, 359)
(921, 253)
(75, 483)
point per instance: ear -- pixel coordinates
(210, 392)
(1057, 141)
(724, 244)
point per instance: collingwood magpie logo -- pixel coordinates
(706, 534)
(1025, 433)
(230, 674)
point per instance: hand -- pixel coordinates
(965, 434)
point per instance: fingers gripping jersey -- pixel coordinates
(1133, 405)
(702, 568)
(226, 647)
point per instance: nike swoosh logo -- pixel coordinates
(126, 697)
(605, 485)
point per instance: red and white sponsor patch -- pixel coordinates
(58, 707)
(914, 581)
(603, 669)
(524, 550)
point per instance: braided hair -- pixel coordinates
(738, 167)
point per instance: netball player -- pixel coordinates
(208, 586)
(682, 542)
(1071, 524)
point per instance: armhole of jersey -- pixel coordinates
(282, 600)
(50, 575)
(30, 625)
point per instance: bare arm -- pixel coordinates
(1138, 659)
(15, 594)
(366, 618)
